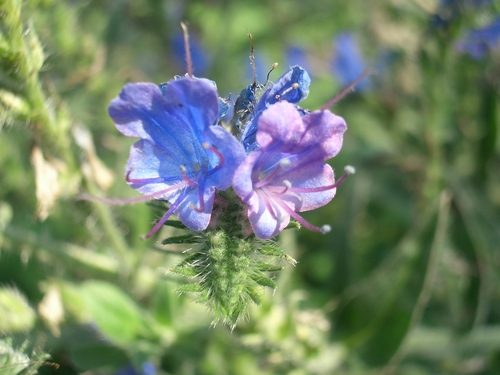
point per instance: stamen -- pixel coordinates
(288, 185)
(348, 169)
(294, 86)
(185, 178)
(165, 217)
(88, 197)
(283, 163)
(300, 219)
(189, 63)
(222, 159)
(141, 180)
(267, 202)
(269, 73)
(348, 88)
(325, 229)
(200, 198)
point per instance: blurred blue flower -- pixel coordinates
(477, 43)
(199, 57)
(296, 55)
(449, 10)
(348, 63)
(147, 368)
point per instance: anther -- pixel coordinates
(325, 229)
(287, 185)
(269, 73)
(284, 163)
(349, 169)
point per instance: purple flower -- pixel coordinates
(478, 42)
(293, 86)
(348, 62)
(287, 172)
(181, 156)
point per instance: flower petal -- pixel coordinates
(264, 223)
(188, 214)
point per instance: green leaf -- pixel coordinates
(97, 356)
(116, 314)
(188, 238)
(15, 312)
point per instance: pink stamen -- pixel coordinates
(268, 178)
(141, 180)
(222, 159)
(348, 88)
(267, 201)
(189, 63)
(186, 178)
(348, 171)
(202, 201)
(297, 217)
(145, 197)
(287, 184)
(165, 217)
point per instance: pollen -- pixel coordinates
(325, 229)
(284, 163)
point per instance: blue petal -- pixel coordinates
(348, 63)
(282, 90)
(173, 118)
(478, 42)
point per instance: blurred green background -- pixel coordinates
(408, 280)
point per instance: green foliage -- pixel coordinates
(405, 283)
(15, 361)
(227, 268)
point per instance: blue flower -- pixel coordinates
(479, 42)
(181, 157)
(293, 86)
(147, 368)
(287, 173)
(450, 10)
(348, 62)
(296, 55)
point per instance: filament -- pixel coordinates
(165, 217)
(222, 159)
(346, 89)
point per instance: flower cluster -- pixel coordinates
(184, 156)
